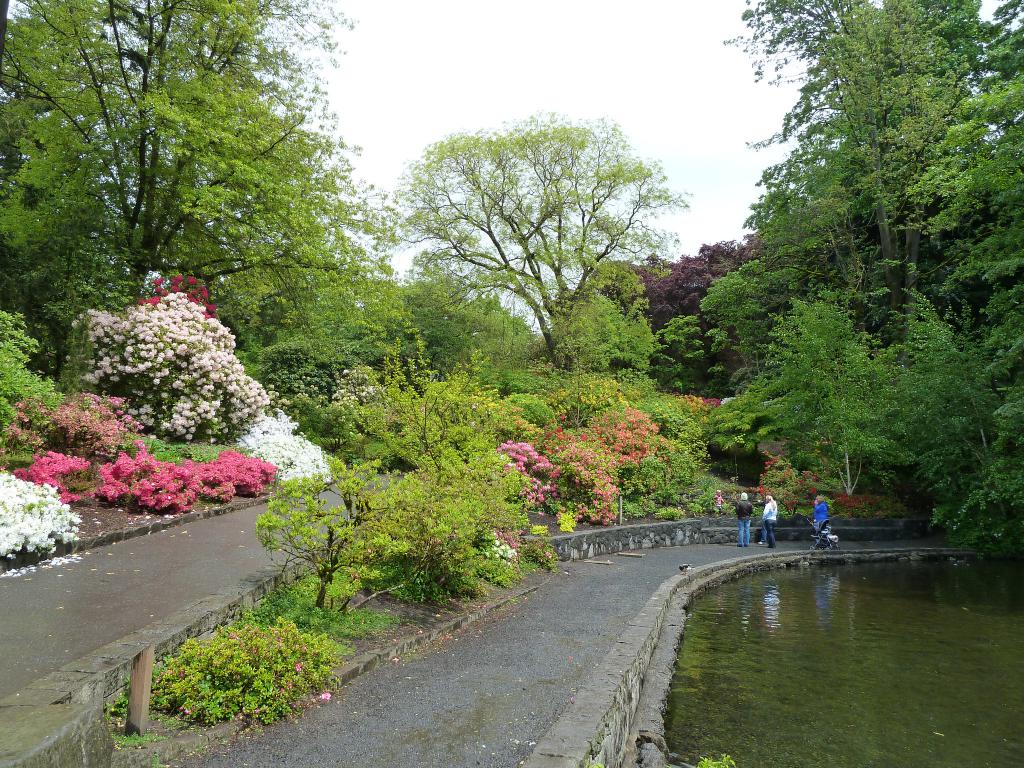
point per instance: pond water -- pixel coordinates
(857, 666)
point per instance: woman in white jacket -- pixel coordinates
(768, 520)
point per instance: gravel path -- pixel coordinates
(486, 695)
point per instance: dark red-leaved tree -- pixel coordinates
(677, 287)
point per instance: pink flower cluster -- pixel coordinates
(57, 470)
(144, 482)
(85, 425)
(629, 434)
(542, 474)
(232, 474)
(177, 367)
(588, 474)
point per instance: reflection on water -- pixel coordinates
(862, 666)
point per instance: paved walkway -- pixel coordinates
(54, 615)
(486, 696)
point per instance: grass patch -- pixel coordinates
(179, 452)
(122, 741)
(297, 603)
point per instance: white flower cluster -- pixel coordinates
(32, 517)
(499, 550)
(273, 439)
(357, 386)
(176, 367)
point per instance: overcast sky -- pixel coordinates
(414, 72)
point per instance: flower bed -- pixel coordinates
(32, 517)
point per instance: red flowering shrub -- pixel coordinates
(70, 475)
(196, 292)
(586, 480)
(791, 489)
(86, 425)
(537, 468)
(867, 505)
(232, 474)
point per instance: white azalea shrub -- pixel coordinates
(274, 439)
(32, 517)
(176, 367)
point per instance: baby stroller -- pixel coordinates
(823, 538)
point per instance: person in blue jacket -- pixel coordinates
(820, 512)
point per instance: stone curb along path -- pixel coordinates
(24, 559)
(613, 709)
(58, 719)
(197, 739)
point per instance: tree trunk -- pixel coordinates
(3, 34)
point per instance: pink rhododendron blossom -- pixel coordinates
(542, 474)
(177, 367)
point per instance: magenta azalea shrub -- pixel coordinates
(537, 468)
(232, 474)
(146, 483)
(65, 473)
(177, 367)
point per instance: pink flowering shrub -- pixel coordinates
(68, 474)
(587, 475)
(177, 367)
(144, 482)
(232, 474)
(537, 468)
(630, 435)
(85, 425)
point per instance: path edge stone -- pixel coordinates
(612, 711)
(24, 559)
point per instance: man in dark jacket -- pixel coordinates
(744, 511)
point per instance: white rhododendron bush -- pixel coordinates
(32, 517)
(177, 368)
(273, 439)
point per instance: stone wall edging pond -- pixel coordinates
(720, 530)
(23, 559)
(616, 716)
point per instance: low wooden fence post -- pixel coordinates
(138, 692)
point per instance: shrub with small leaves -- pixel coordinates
(244, 670)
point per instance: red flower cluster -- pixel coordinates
(790, 488)
(196, 292)
(60, 471)
(163, 487)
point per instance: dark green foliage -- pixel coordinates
(17, 382)
(302, 367)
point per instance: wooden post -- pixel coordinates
(138, 692)
(620, 509)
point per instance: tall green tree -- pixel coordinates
(881, 84)
(829, 391)
(171, 136)
(534, 210)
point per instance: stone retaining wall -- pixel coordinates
(721, 530)
(613, 710)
